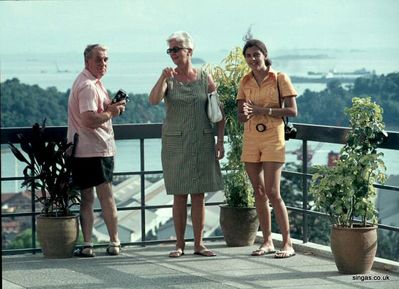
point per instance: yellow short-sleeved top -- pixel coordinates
(265, 95)
(268, 145)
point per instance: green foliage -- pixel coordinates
(346, 190)
(238, 191)
(23, 240)
(327, 107)
(48, 168)
(388, 245)
(291, 193)
(139, 110)
(22, 105)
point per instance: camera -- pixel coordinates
(120, 95)
(289, 131)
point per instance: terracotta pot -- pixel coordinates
(239, 225)
(58, 235)
(354, 248)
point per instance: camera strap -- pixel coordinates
(285, 119)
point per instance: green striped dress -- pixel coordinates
(188, 145)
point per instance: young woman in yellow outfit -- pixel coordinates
(264, 145)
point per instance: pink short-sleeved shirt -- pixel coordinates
(88, 94)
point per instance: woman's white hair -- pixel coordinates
(183, 37)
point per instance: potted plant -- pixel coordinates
(238, 218)
(346, 192)
(48, 174)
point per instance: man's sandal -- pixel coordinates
(84, 251)
(113, 249)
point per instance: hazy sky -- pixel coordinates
(143, 25)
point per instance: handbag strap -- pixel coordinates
(203, 76)
(285, 119)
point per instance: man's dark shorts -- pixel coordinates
(91, 172)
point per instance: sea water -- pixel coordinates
(127, 158)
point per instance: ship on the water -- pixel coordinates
(332, 74)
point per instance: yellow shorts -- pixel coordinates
(266, 146)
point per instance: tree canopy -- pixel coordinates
(327, 107)
(23, 104)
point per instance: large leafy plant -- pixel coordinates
(238, 190)
(346, 191)
(47, 171)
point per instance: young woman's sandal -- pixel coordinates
(84, 251)
(263, 251)
(176, 253)
(114, 249)
(205, 252)
(284, 254)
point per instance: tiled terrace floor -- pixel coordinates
(150, 267)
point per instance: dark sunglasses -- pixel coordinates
(174, 49)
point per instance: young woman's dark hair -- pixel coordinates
(260, 45)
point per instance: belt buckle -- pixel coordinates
(260, 127)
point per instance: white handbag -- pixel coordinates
(213, 109)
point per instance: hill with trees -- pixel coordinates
(327, 107)
(22, 104)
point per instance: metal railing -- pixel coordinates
(141, 132)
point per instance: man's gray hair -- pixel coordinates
(88, 53)
(183, 37)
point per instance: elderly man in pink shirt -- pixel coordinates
(90, 113)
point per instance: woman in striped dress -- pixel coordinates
(190, 157)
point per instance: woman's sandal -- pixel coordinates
(176, 253)
(114, 249)
(281, 254)
(263, 251)
(84, 251)
(205, 252)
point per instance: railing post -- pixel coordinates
(142, 190)
(305, 190)
(33, 208)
